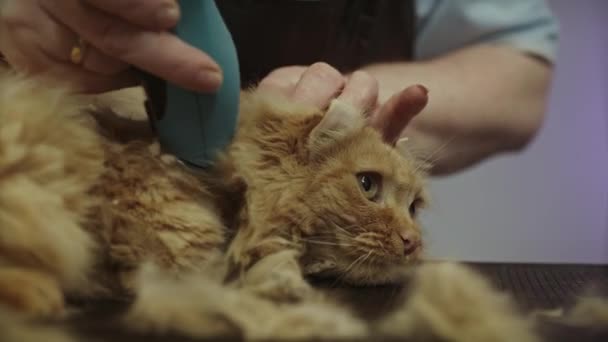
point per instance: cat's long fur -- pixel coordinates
(85, 203)
(49, 158)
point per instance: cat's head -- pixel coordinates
(365, 196)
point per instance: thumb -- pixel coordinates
(396, 113)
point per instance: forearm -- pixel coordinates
(482, 100)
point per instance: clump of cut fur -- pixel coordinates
(589, 311)
(206, 308)
(15, 328)
(449, 302)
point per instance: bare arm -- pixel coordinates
(482, 100)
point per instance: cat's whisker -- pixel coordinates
(372, 238)
(364, 228)
(372, 257)
(329, 243)
(326, 233)
(343, 229)
(347, 270)
(381, 245)
(367, 256)
(359, 261)
(369, 235)
(352, 264)
(435, 154)
(368, 243)
(330, 236)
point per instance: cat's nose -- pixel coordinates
(411, 242)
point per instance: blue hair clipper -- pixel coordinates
(194, 126)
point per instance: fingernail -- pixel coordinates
(209, 80)
(168, 15)
(423, 88)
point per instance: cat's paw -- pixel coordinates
(278, 277)
(32, 293)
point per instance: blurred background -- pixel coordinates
(549, 203)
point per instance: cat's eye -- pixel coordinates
(414, 206)
(370, 184)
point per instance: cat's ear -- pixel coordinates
(340, 120)
(402, 147)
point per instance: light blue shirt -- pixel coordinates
(445, 25)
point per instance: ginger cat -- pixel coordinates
(327, 186)
(84, 205)
(90, 206)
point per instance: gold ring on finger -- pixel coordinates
(78, 51)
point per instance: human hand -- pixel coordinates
(37, 37)
(319, 84)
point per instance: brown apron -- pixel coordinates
(347, 34)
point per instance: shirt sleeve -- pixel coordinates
(445, 25)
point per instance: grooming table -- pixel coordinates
(534, 286)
